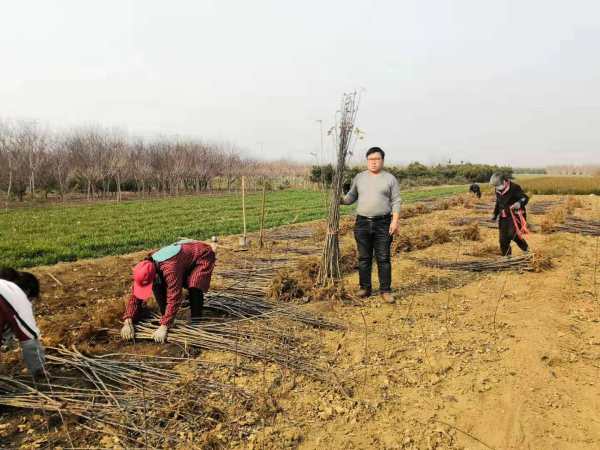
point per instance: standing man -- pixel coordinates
(185, 264)
(17, 290)
(510, 207)
(377, 219)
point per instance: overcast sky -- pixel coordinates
(515, 82)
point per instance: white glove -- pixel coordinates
(127, 332)
(160, 335)
(516, 205)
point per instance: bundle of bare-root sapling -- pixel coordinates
(329, 270)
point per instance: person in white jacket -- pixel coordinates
(17, 289)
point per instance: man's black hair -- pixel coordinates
(376, 150)
(28, 282)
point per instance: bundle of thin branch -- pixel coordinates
(409, 240)
(329, 270)
(468, 233)
(262, 342)
(298, 284)
(481, 221)
(485, 223)
(257, 307)
(253, 280)
(538, 207)
(543, 206)
(128, 396)
(483, 206)
(124, 371)
(462, 221)
(578, 225)
(529, 261)
(245, 298)
(290, 234)
(427, 206)
(302, 251)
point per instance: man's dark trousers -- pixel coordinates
(507, 233)
(373, 237)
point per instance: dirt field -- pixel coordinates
(506, 360)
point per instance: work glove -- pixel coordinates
(516, 205)
(160, 335)
(213, 244)
(33, 355)
(127, 332)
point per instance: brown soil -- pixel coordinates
(460, 361)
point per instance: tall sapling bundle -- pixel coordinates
(329, 270)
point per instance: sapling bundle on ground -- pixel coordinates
(580, 226)
(534, 262)
(264, 340)
(470, 233)
(141, 401)
(429, 206)
(484, 250)
(462, 221)
(292, 284)
(542, 207)
(409, 240)
(297, 284)
(483, 207)
(257, 307)
(330, 270)
(553, 218)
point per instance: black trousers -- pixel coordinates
(196, 298)
(373, 238)
(507, 233)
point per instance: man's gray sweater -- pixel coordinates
(378, 195)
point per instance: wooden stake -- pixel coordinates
(244, 242)
(262, 215)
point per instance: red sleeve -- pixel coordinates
(8, 319)
(132, 308)
(174, 281)
(3, 319)
(201, 275)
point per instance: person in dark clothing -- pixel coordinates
(510, 213)
(474, 188)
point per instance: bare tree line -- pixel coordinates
(98, 163)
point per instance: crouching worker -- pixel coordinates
(510, 208)
(185, 264)
(475, 190)
(17, 290)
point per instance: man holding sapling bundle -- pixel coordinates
(510, 209)
(377, 217)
